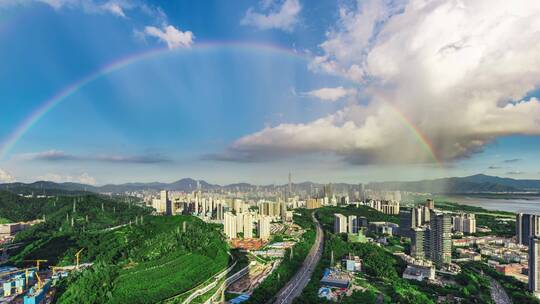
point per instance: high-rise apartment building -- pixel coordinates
(465, 223)
(340, 223)
(440, 238)
(263, 228)
(248, 226)
(229, 225)
(239, 222)
(352, 226)
(418, 242)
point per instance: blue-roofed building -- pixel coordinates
(239, 299)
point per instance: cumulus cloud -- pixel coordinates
(282, 17)
(456, 72)
(83, 178)
(173, 37)
(331, 94)
(5, 177)
(57, 156)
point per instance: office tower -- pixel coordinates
(248, 226)
(340, 223)
(263, 228)
(353, 224)
(440, 239)
(534, 268)
(406, 222)
(290, 186)
(527, 225)
(418, 242)
(362, 194)
(229, 225)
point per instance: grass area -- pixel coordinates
(4, 220)
(153, 281)
(147, 263)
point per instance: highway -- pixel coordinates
(294, 287)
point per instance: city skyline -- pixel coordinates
(104, 92)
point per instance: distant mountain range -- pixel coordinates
(479, 183)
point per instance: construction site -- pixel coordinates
(34, 284)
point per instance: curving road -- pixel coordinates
(294, 287)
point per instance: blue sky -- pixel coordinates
(239, 77)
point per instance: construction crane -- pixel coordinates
(38, 261)
(77, 257)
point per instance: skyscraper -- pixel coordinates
(406, 222)
(534, 268)
(440, 238)
(290, 186)
(418, 242)
(527, 225)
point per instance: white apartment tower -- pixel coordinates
(264, 228)
(248, 226)
(340, 223)
(229, 225)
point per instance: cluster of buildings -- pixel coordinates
(243, 223)
(348, 224)
(384, 206)
(430, 232)
(464, 223)
(8, 231)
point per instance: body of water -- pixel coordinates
(525, 204)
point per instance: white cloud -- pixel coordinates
(114, 8)
(83, 178)
(458, 71)
(331, 94)
(173, 37)
(283, 17)
(5, 177)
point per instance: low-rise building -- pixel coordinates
(419, 273)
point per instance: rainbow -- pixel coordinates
(49, 104)
(419, 134)
(62, 95)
